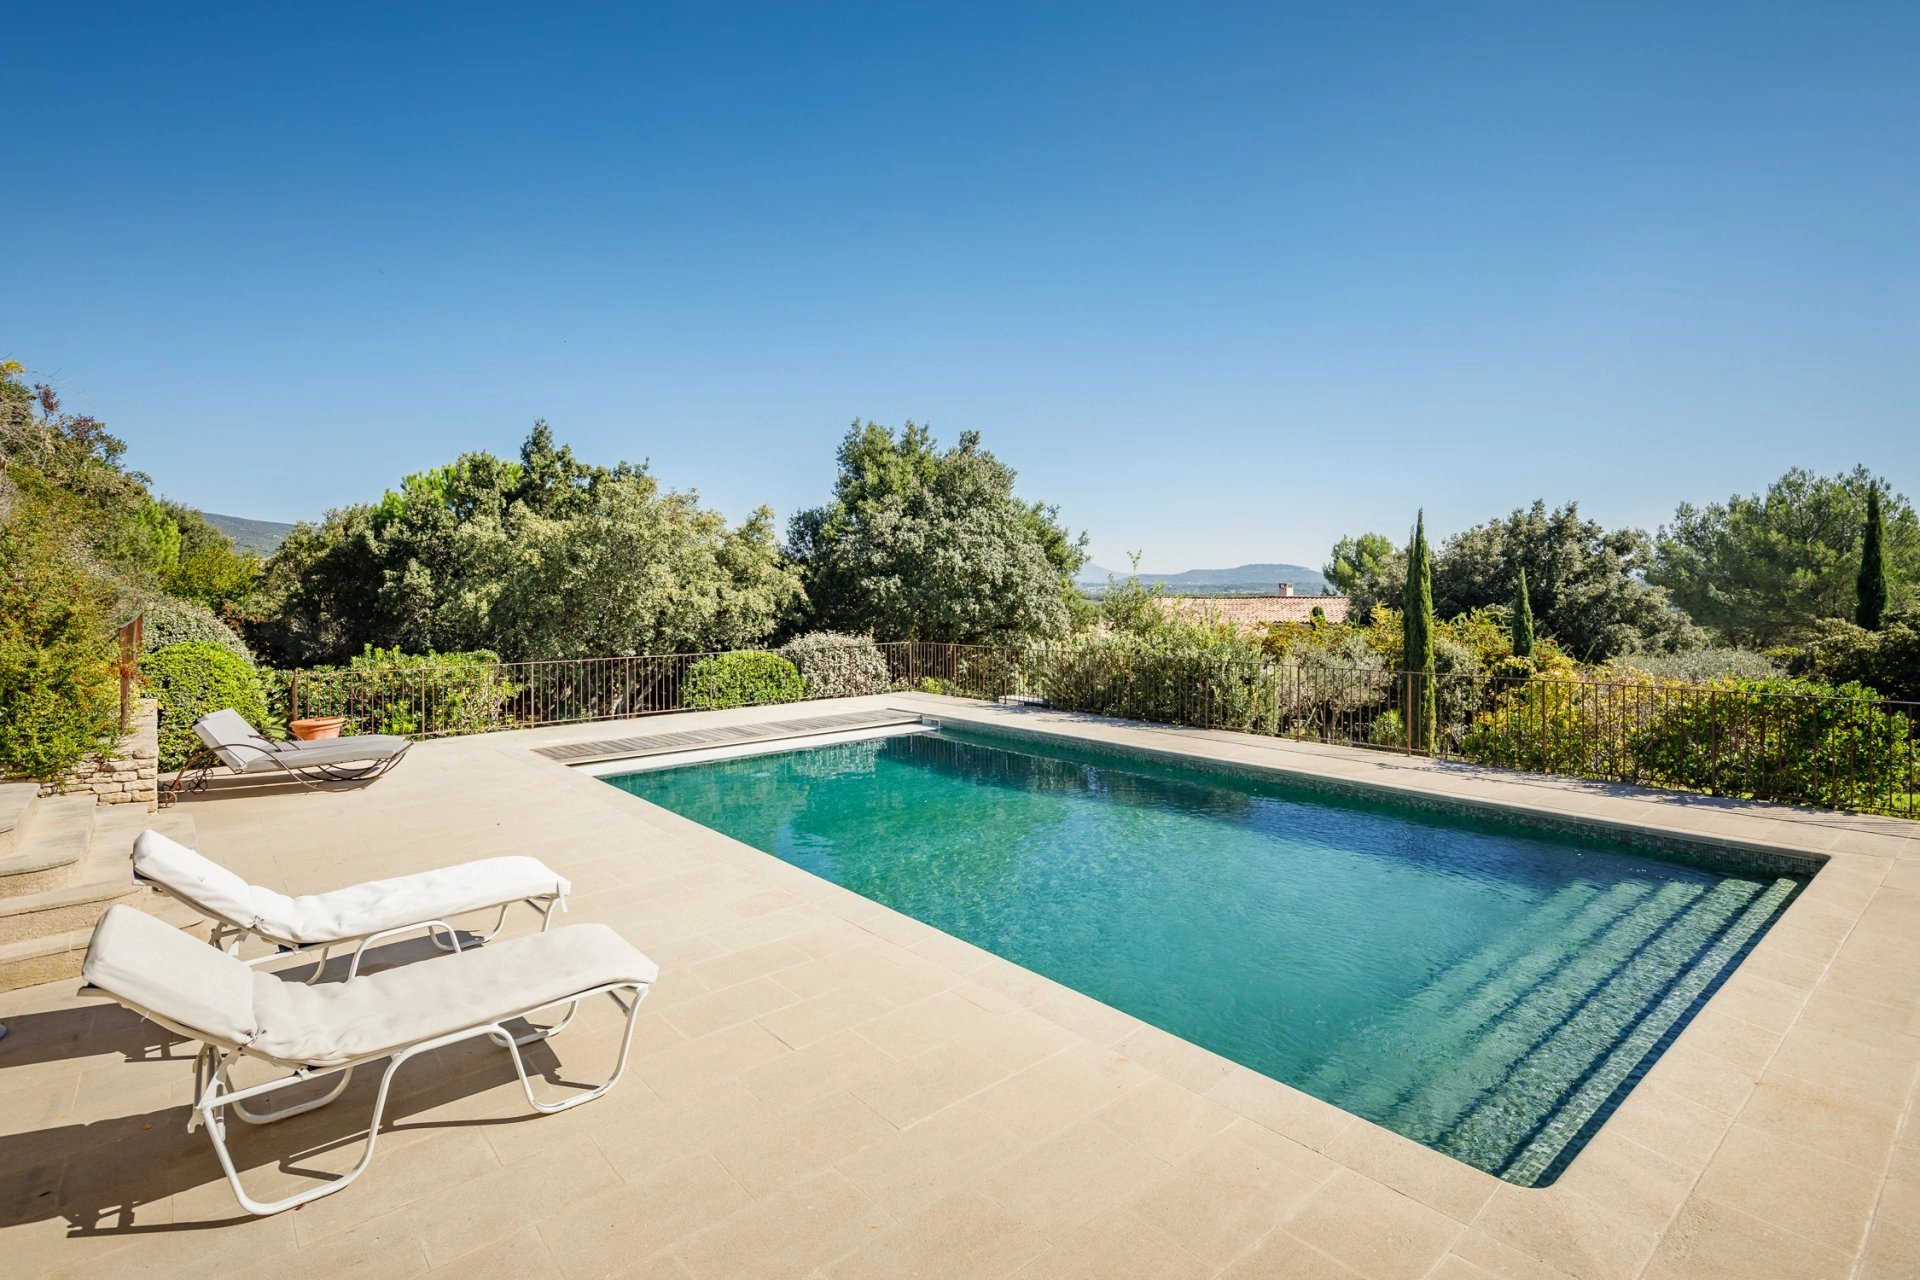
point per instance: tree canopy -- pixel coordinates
(541, 557)
(1355, 560)
(1761, 569)
(923, 544)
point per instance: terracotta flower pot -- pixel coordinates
(317, 727)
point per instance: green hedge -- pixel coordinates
(741, 680)
(191, 679)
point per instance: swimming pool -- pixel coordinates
(1487, 989)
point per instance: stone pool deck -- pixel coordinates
(821, 1086)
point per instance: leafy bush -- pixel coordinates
(171, 620)
(191, 679)
(387, 691)
(58, 695)
(1794, 741)
(1887, 660)
(1780, 739)
(838, 666)
(1194, 676)
(1695, 666)
(743, 679)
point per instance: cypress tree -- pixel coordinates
(1871, 587)
(1522, 621)
(1417, 638)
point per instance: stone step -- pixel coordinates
(48, 850)
(16, 805)
(43, 937)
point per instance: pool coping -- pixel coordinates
(1591, 1221)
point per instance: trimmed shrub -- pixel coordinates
(191, 679)
(745, 679)
(838, 666)
(171, 620)
(58, 694)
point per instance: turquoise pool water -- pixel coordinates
(1489, 990)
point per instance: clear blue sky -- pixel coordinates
(1223, 282)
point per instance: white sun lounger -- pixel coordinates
(234, 1012)
(361, 914)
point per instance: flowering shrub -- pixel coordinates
(838, 666)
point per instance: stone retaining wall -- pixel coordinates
(129, 774)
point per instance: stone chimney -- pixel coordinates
(1286, 588)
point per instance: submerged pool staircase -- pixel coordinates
(1517, 1027)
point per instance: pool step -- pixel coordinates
(44, 931)
(49, 842)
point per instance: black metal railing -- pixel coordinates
(1748, 739)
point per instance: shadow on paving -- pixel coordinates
(103, 1177)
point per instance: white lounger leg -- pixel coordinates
(219, 1094)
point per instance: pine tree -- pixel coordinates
(1522, 621)
(1417, 637)
(1871, 587)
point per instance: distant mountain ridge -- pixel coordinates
(1242, 580)
(255, 537)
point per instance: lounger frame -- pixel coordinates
(215, 1093)
(195, 773)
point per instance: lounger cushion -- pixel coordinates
(167, 974)
(348, 913)
(157, 969)
(240, 746)
(360, 748)
(380, 1012)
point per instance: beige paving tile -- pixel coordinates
(521, 1256)
(698, 1064)
(789, 1233)
(1223, 1197)
(908, 1171)
(398, 1176)
(800, 1143)
(1372, 1229)
(1060, 1090)
(1281, 1256)
(1893, 1246)
(1569, 1232)
(1165, 1119)
(1624, 1176)
(823, 1067)
(381, 1247)
(728, 1006)
(1421, 1173)
(1070, 1178)
(1792, 1186)
(459, 1219)
(607, 1233)
(907, 1092)
(1285, 1110)
(1115, 1244)
(962, 1235)
(1830, 1120)
(811, 1020)
(1490, 1257)
(1712, 1241)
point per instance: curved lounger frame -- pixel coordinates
(198, 770)
(214, 1091)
